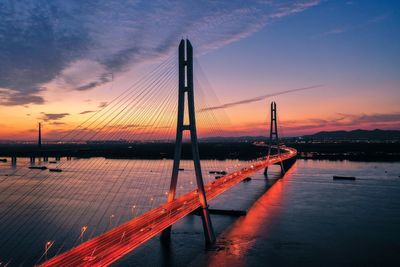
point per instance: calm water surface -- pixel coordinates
(304, 219)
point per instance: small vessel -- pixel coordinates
(53, 162)
(217, 177)
(247, 179)
(335, 177)
(218, 172)
(181, 169)
(55, 170)
(37, 167)
(3, 160)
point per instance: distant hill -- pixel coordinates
(376, 135)
(354, 135)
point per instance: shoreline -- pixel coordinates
(380, 152)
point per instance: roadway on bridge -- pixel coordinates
(114, 244)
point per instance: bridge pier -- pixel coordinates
(13, 161)
(283, 169)
(287, 164)
(234, 213)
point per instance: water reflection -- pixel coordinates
(309, 219)
(236, 242)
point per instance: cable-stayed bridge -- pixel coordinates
(144, 112)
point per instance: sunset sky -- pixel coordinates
(62, 60)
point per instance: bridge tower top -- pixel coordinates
(273, 133)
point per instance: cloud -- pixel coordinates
(102, 80)
(378, 18)
(76, 44)
(258, 98)
(53, 116)
(371, 118)
(82, 75)
(103, 104)
(57, 123)
(11, 97)
(87, 111)
(360, 25)
(345, 121)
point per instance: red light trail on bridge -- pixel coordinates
(114, 244)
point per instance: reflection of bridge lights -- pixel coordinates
(83, 230)
(47, 246)
(122, 237)
(111, 217)
(89, 258)
(133, 209)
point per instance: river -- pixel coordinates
(304, 219)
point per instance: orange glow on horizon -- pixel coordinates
(294, 118)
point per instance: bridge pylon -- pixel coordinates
(273, 137)
(186, 92)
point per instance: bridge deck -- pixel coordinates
(114, 244)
